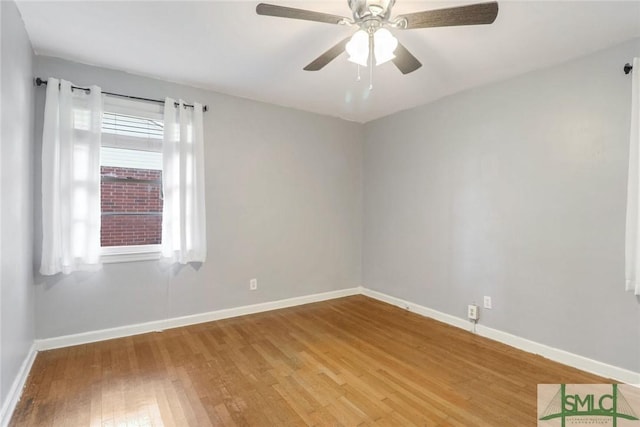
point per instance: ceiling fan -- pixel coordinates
(373, 38)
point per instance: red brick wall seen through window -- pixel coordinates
(131, 212)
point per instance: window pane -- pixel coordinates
(121, 124)
(128, 230)
(131, 210)
(130, 158)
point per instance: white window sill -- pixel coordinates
(113, 254)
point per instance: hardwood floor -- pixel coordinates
(350, 361)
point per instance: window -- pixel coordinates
(131, 180)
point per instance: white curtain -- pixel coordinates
(184, 237)
(71, 179)
(632, 252)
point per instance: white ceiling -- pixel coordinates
(226, 47)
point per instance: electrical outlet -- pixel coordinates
(487, 303)
(253, 284)
(472, 312)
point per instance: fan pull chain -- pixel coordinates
(370, 59)
(358, 73)
(371, 77)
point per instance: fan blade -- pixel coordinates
(290, 12)
(404, 60)
(474, 14)
(327, 57)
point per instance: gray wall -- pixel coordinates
(515, 190)
(16, 208)
(284, 205)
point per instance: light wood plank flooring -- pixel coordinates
(350, 361)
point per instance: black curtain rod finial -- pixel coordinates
(627, 68)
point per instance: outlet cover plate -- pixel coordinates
(472, 312)
(487, 303)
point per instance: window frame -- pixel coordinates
(136, 108)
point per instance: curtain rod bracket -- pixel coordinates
(627, 68)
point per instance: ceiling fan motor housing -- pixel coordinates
(363, 9)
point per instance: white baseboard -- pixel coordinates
(12, 398)
(159, 325)
(420, 309)
(557, 355)
(580, 362)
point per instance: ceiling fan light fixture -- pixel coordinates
(358, 48)
(384, 44)
(372, 15)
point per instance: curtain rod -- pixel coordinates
(39, 82)
(627, 68)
